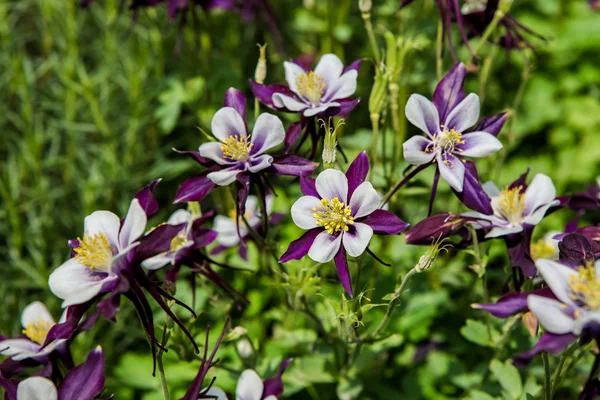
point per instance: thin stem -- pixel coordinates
(375, 124)
(559, 368)
(403, 182)
(498, 15)
(366, 16)
(161, 368)
(438, 50)
(547, 385)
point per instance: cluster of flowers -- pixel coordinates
(340, 213)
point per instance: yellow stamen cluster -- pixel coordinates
(37, 331)
(178, 242)
(543, 249)
(585, 287)
(236, 147)
(448, 140)
(311, 86)
(95, 251)
(333, 215)
(511, 204)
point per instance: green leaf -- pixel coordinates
(477, 332)
(508, 376)
(479, 395)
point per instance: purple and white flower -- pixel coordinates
(327, 88)
(446, 122)
(515, 206)
(226, 227)
(340, 212)
(105, 245)
(37, 322)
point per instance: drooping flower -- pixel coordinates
(340, 212)
(446, 122)
(324, 91)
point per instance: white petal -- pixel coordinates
(329, 68)
(258, 163)
(557, 277)
(103, 222)
(341, 88)
(249, 386)
(157, 262)
(180, 217)
(46, 350)
(491, 189)
(270, 397)
(453, 173)
(281, 101)
(365, 200)
(332, 183)
(422, 113)
(549, 313)
(325, 247)
(228, 122)
(16, 347)
(465, 114)
(252, 207)
(502, 231)
(414, 150)
(584, 318)
(36, 312)
(227, 231)
(540, 192)
(292, 72)
(480, 144)
(270, 199)
(212, 151)
(225, 176)
(356, 244)
(310, 112)
(215, 393)
(268, 132)
(37, 388)
(539, 214)
(134, 224)
(74, 283)
(302, 212)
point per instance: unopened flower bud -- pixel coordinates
(365, 6)
(244, 348)
(378, 94)
(427, 259)
(260, 73)
(236, 333)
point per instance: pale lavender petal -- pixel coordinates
(249, 386)
(157, 262)
(415, 150)
(228, 122)
(479, 144)
(332, 183)
(287, 102)
(501, 231)
(226, 228)
(452, 170)
(260, 162)
(74, 283)
(36, 312)
(384, 222)
(225, 176)
(312, 111)
(329, 68)
(264, 93)
(302, 212)
(357, 239)
(491, 189)
(325, 246)
(37, 388)
(134, 224)
(464, 115)
(550, 314)
(292, 72)
(212, 151)
(540, 192)
(538, 215)
(422, 113)
(103, 222)
(180, 217)
(341, 88)
(557, 277)
(268, 132)
(364, 200)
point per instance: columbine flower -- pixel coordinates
(99, 255)
(340, 213)
(37, 322)
(83, 382)
(546, 247)
(446, 122)
(326, 88)
(517, 206)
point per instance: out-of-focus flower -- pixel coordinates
(546, 247)
(340, 212)
(324, 91)
(446, 121)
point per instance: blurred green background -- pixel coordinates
(93, 101)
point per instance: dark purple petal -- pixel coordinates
(492, 125)
(66, 329)
(520, 182)
(450, 92)
(434, 228)
(274, 386)
(473, 195)
(292, 134)
(203, 237)
(243, 190)
(147, 199)
(109, 307)
(518, 246)
(236, 99)
(194, 189)
(85, 381)
(342, 111)
(513, 303)
(299, 247)
(576, 247)
(341, 264)
(357, 172)
(384, 222)
(292, 165)
(10, 387)
(194, 155)
(264, 93)
(354, 66)
(308, 186)
(157, 241)
(548, 342)
(222, 4)
(218, 249)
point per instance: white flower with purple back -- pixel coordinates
(227, 227)
(179, 243)
(236, 151)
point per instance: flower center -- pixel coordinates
(95, 252)
(585, 287)
(37, 331)
(333, 215)
(177, 242)
(236, 147)
(311, 86)
(542, 249)
(511, 204)
(447, 141)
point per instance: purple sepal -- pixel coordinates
(518, 246)
(345, 107)
(264, 93)
(473, 195)
(195, 155)
(357, 172)
(548, 342)
(354, 66)
(384, 222)
(222, 4)
(242, 192)
(577, 247)
(521, 182)
(292, 134)
(194, 189)
(513, 303)
(147, 199)
(299, 247)
(449, 92)
(292, 165)
(589, 200)
(10, 387)
(85, 381)
(109, 307)
(493, 124)
(66, 329)
(341, 264)
(434, 228)
(274, 386)
(308, 186)
(236, 99)
(157, 241)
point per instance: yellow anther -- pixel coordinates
(95, 251)
(37, 331)
(511, 204)
(543, 249)
(585, 287)
(333, 215)
(311, 86)
(237, 148)
(448, 140)
(178, 242)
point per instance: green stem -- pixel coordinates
(375, 124)
(366, 16)
(163, 379)
(256, 108)
(498, 15)
(438, 50)
(559, 368)
(547, 385)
